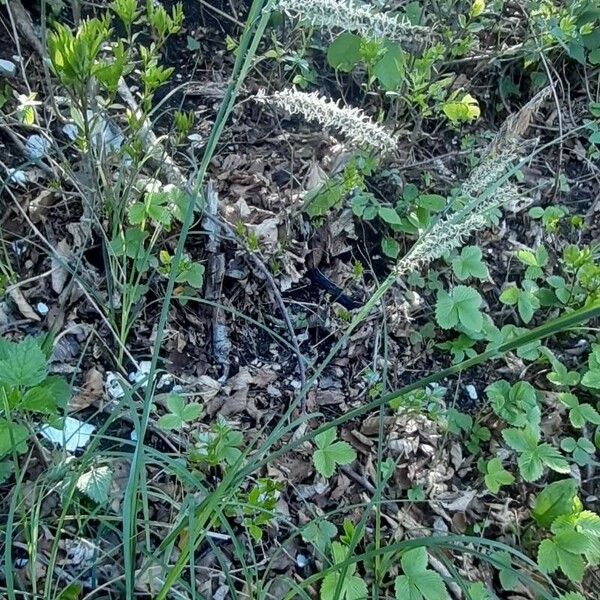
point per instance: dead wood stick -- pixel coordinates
(221, 344)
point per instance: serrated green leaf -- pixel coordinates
(461, 305)
(325, 438)
(552, 458)
(554, 500)
(414, 562)
(24, 365)
(95, 484)
(531, 466)
(547, 557)
(329, 453)
(591, 379)
(469, 264)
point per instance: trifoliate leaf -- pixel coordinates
(330, 453)
(469, 264)
(497, 476)
(461, 305)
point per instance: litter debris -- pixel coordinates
(301, 561)
(42, 308)
(36, 147)
(141, 375)
(471, 391)
(114, 389)
(74, 434)
(71, 131)
(17, 176)
(7, 68)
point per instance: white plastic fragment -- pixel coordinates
(106, 136)
(75, 434)
(42, 309)
(114, 389)
(7, 68)
(36, 147)
(71, 131)
(17, 176)
(141, 375)
(301, 561)
(471, 391)
(165, 381)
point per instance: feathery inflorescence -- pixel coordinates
(349, 15)
(352, 123)
(486, 182)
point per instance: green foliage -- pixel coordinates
(554, 500)
(256, 508)
(95, 484)
(469, 264)
(344, 53)
(459, 347)
(591, 379)
(461, 108)
(460, 306)
(561, 376)
(330, 453)
(75, 56)
(581, 450)
(353, 587)
(180, 413)
(533, 455)
(516, 404)
(507, 574)
(550, 216)
(525, 298)
(564, 551)
(26, 389)
(219, 446)
(418, 582)
(534, 261)
(319, 533)
(579, 413)
(495, 475)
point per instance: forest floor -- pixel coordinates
(234, 343)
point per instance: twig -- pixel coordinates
(221, 344)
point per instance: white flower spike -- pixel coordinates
(353, 123)
(349, 15)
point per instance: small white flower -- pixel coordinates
(353, 123)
